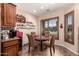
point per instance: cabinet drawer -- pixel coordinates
(10, 43)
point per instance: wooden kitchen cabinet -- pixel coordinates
(8, 14)
(10, 47)
(0, 14)
(11, 51)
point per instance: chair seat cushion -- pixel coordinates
(47, 43)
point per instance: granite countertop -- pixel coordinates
(10, 39)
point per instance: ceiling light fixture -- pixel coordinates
(48, 10)
(34, 11)
(42, 7)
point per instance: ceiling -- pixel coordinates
(40, 9)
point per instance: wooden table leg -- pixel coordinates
(41, 46)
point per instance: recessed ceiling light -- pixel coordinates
(48, 10)
(34, 11)
(42, 7)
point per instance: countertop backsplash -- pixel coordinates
(4, 34)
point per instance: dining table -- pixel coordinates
(41, 39)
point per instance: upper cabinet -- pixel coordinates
(8, 14)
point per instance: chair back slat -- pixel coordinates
(30, 39)
(52, 41)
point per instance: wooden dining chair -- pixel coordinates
(31, 43)
(50, 44)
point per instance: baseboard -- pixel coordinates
(69, 49)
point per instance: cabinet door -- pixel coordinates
(9, 14)
(11, 51)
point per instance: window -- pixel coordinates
(69, 19)
(69, 28)
(46, 24)
(52, 22)
(51, 25)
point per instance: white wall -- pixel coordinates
(61, 12)
(77, 21)
(30, 18)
